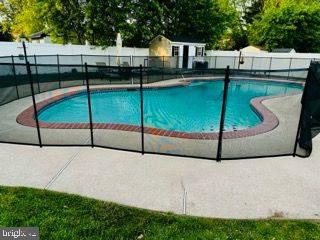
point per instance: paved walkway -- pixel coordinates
(255, 188)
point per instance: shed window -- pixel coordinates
(199, 51)
(175, 51)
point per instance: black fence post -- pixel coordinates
(58, 64)
(298, 130)
(148, 60)
(234, 62)
(15, 75)
(34, 103)
(306, 88)
(37, 74)
(82, 70)
(141, 112)
(32, 93)
(289, 68)
(252, 61)
(89, 104)
(162, 68)
(239, 62)
(270, 63)
(81, 59)
(223, 111)
(25, 52)
(215, 62)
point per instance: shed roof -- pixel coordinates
(180, 40)
(283, 50)
(186, 39)
(252, 49)
(38, 35)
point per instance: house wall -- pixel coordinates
(192, 52)
(162, 47)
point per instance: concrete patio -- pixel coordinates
(257, 188)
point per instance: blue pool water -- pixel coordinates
(193, 108)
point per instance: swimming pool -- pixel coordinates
(192, 108)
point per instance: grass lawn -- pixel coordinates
(64, 216)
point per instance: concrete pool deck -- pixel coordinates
(257, 188)
(280, 140)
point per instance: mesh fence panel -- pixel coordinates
(279, 64)
(96, 60)
(246, 63)
(140, 60)
(172, 122)
(174, 62)
(12, 127)
(223, 62)
(62, 106)
(71, 75)
(21, 59)
(47, 59)
(23, 81)
(182, 106)
(310, 117)
(212, 61)
(48, 77)
(115, 113)
(261, 118)
(70, 59)
(112, 75)
(298, 64)
(123, 61)
(260, 63)
(8, 84)
(6, 59)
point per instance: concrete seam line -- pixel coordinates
(184, 199)
(55, 177)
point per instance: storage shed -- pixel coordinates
(40, 37)
(176, 51)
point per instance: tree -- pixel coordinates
(5, 36)
(98, 21)
(140, 21)
(235, 35)
(65, 20)
(253, 10)
(203, 19)
(290, 26)
(21, 16)
(106, 18)
(147, 21)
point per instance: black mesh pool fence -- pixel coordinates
(310, 115)
(210, 113)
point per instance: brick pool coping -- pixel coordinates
(269, 120)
